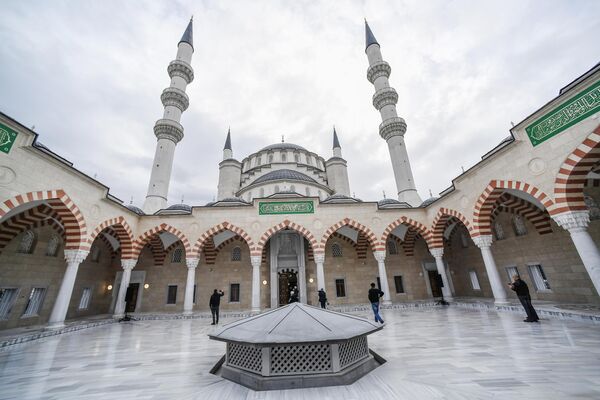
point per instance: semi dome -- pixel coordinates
(340, 198)
(284, 174)
(229, 201)
(135, 209)
(428, 201)
(283, 146)
(392, 203)
(180, 207)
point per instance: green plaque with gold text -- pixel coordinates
(7, 138)
(286, 207)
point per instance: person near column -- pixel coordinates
(322, 298)
(520, 287)
(374, 296)
(214, 303)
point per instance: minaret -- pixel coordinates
(392, 128)
(168, 130)
(337, 170)
(230, 172)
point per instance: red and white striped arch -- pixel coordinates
(440, 222)
(222, 227)
(286, 224)
(123, 234)
(38, 216)
(351, 223)
(515, 205)
(145, 237)
(411, 223)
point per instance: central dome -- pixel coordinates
(282, 146)
(284, 174)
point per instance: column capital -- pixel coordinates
(128, 264)
(483, 241)
(256, 261)
(379, 255)
(437, 253)
(573, 221)
(319, 258)
(192, 262)
(75, 256)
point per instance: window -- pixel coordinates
(258, 161)
(276, 189)
(194, 295)
(270, 158)
(34, 303)
(308, 160)
(336, 250)
(86, 296)
(399, 284)
(474, 280)
(519, 225)
(297, 157)
(340, 288)
(463, 240)
(512, 271)
(234, 293)
(283, 157)
(8, 296)
(96, 254)
(172, 294)
(177, 255)
(392, 248)
(592, 205)
(261, 192)
(52, 249)
(498, 231)
(539, 278)
(27, 244)
(236, 254)
(292, 188)
(249, 196)
(307, 191)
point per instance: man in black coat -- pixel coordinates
(374, 295)
(322, 298)
(520, 287)
(214, 303)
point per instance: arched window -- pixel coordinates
(464, 240)
(297, 157)
(283, 157)
(293, 188)
(261, 192)
(592, 205)
(177, 255)
(308, 160)
(258, 161)
(519, 225)
(336, 250)
(499, 231)
(307, 191)
(96, 254)
(319, 194)
(250, 196)
(52, 249)
(392, 248)
(276, 188)
(236, 254)
(270, 158)
(27, 244)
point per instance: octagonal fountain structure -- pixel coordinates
(296, 346)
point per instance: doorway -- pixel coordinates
(131, 297)
(435, 282)
(288, 281)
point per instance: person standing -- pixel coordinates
(214, 303)
(294, 297)
(322, 298)
(520, 287)
(374, 296)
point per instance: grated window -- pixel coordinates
(336, 250)
(236, 254)
(177, 255)
(27, 243)
(244, 357)
(300, 359)
(353, 351)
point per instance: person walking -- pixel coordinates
(214, 303)
(374, 296)
(322, 298)
(520, 287)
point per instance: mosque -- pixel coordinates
(285, 217)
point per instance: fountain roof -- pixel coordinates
(295, 323)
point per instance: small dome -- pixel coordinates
(340, 198)
(428, 201)
(392, 203)
(229, 201)
(180, 207)
(135, 209)
(284, 174)
(283, 146)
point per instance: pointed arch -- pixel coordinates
(572, 174)
(280, 226)
(484, 207)
(367, 232)
(411, 223)
(222, 227)
(515, 205)
(141, 241)
(70, 216)
(440, 223)
(123, 233)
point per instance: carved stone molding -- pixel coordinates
(319, 258)
(379, 255)
(437, 253)
(377, 70)
(573, 221)
(75, 256)
(181, 69)
(128, 264)
(483, 241)
(255, 261)
(168, 129)
(192, 262)
(175, 97)
(385, 97)
(392, 127)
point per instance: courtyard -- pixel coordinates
(431, 353)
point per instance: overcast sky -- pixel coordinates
(89, 76)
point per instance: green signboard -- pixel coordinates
(286, 207)
(7, 138)
(566, 115)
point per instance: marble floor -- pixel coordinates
(439, 353)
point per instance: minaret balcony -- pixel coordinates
(384, 97)
(175, 97)
(377, 70)
(392, 127)
(181, 69)
(168, 129)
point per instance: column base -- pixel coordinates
(55, 325)
(386, 302)
(118, 316)
(255, 310)
(501, 302)
(188, 312)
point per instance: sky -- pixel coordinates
(88, 75)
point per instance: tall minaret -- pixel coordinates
(230, 172)
(168, 130)
(392, 128)
(337, 170)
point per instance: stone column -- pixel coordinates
(484, 243)
(576, 222)
(441, 268)
(61, 305)
(188, 301)
(380, 257)
(120, 305)
(320, 260)
(255, 260)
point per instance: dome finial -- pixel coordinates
(384, 194)
(282, 139)
(430, 194)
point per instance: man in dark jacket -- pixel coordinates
(322, 298)
(374, 295)
(214, 303)
(522, 291)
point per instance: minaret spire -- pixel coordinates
(227, 150)
(168, 130)
(392, 128)
(336, 169)
(336, 142)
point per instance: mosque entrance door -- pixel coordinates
(436, 288)
(288, 281)
(131, 297)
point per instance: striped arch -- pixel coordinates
(362, 229)
(440, 222)
(222, 227)
(35, 217)
(145, 237)
(123, 234)
(70, 216)
(280, 226)
(484, 207)
(157, 249)
(572, 175)
(514, 205)
(412, 225)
